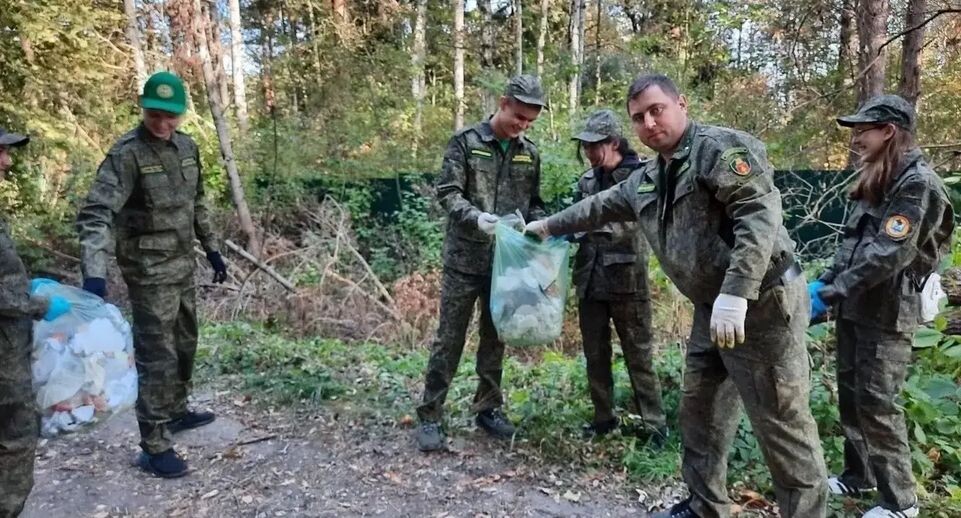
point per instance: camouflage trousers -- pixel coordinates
(19, 425)
(632, 320)
(459, 291)
(769, 374)
(872, 366)
(165, 342)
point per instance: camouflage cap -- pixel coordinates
(12, 139)
(526, 89)
(882, 109)
(600, 125)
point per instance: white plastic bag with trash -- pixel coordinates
(528, 286)
(931, 296)
(83, 362)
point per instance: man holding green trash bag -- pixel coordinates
(148, 197)
(18, 414)
(490, 169)
(709, 209)
(610, 272)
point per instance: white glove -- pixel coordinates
(486, 222)
(538, 228)
(727, 320)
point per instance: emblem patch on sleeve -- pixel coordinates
(645, 188)
(740, 166)
(897, 226)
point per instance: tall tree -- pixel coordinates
(910, 84)
(519, 37)
(844, 46)
(597, 54)
(216, 48)
(487, 51)
(133, 38)
(458, 64)
(542, 36)
(576, 27)
(237, 67)
(872, 19)
(418, 55)
(201, 21)
(341, 19)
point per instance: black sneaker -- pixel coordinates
(601, 429)
(678, 510)
(657, 438)
(430, 437)
(164, 465)
(495, 423)
(190, 420)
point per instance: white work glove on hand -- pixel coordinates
(486, 222)
(538, 228)
(727, 320)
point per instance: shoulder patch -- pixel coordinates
(481, 152)
(897, 227)
(646, 188)
(151, 169)
(740, 166)
(522, 159)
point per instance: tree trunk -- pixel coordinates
(576, 33)
(133, 38)
(846, 37)
(519, 36)
(542, 37)
(214, 42)
(910, 84)
(458, 64)
(872, 19)
(597, 54)
(487, 52)
(419, 83)
(341, 19)
(223, 130)
(237, 67)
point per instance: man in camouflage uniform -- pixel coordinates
(148, 198)
(18, 415)
(490, 169)
(709, 209)
(610, 272)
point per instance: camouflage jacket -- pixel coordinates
(17, 310)
(148, 201)
(611, 261)
(478, 176)
(887, 251)
(711, 215)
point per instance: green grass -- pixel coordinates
(549, 400)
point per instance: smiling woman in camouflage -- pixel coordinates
(893, 240)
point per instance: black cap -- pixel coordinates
(882, 109)
(12, 139)
(526, 89)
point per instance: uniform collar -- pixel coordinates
(910, 157)
(684, 146)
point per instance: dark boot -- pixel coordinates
(164, 465)
(601, 429)
(678, 510)
(190, 420)
(430, 437)
(495, 423)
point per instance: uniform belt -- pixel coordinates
(785, 270)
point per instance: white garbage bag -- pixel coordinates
(83, 362)
(931, 296)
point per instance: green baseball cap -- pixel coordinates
(881, 110)
(526, 89)
(600, 125)
(164, 91)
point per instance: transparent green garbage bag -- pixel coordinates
(529, 286)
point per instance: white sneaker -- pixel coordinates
(880, 512)
(836, 487)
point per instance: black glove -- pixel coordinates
(220, 269)
(96, 285)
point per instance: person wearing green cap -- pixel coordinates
(894, 238)
(18, 306)
(490, 169)
(610, 273)
(148, 198)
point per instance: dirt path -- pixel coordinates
(256, 462)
